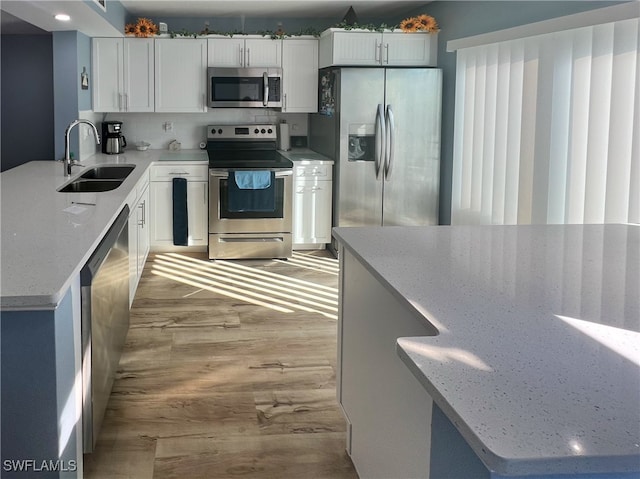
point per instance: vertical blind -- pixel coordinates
(547, 128)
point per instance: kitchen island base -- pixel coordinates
(387, 410)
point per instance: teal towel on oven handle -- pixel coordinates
(251, 200)
(180, 216)
(253, 180)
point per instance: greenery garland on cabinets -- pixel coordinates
(420, 23)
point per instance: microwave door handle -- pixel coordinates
(265, 79)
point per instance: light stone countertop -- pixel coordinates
(46, 238)
(537, 360)
(305, 156)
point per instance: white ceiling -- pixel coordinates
(268, 8)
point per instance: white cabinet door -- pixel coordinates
(226, 52)
(180, 71)
(161, 211)
(197, 203)
(143, 231)
(133, 252)
(300, 75)
(138, 82)
(350, 48)
(240, 52)
(409, 49)
(312, 187)
(122, 74)
(263, 52)
(312, 212)
(138, 228)
(107, 72)
(378, 49)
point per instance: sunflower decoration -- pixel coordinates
(420, 23)
(409, 25)
(130, 29)
(142, 28)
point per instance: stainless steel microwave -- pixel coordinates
(244, 87)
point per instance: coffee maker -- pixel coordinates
(113, 141)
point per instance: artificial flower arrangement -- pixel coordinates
(142, 28)
(420, 23)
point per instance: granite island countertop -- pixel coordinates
(537, 360)
(46, 237)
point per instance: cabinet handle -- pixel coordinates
(241, 51)
(285, 103)
(204, 193)
(119, 101)
(126, 102)
(143, 207)
(248, 56)
(315, 188)
(386, 49)
(179, 173)
(378, 53)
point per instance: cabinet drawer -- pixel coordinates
(190, 172)
(313, 171)
(142, 184)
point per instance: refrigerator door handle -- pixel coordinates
(390, 143)
(381, 136)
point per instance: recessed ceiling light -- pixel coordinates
(63, 17)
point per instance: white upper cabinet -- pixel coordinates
(123, 74)
(244, 52)
(180, 69)
(300, 75)
(350, 48)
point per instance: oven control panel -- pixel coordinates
(241, 132)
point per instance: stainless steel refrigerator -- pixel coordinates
(381, 126)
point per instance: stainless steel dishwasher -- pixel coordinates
(104, 295)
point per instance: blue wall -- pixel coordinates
(84, 60)
(71, 52)
(27, 99)
(463, 19)
(65, 66)
(41, 94)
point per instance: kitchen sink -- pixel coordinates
(108, 172)
(99, 178)
(91, 186)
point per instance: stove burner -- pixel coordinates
(244, 147)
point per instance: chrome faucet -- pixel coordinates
(67, 157)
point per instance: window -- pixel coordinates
(547, 128)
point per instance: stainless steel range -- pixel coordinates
(250, 193)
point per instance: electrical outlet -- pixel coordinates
(294, 127)
(168, 126)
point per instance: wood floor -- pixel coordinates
(228, 372)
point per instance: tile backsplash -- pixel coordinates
(190, 128)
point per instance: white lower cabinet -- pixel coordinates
(162, 205)
(138, 230)
(312, 186)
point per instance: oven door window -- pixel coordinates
(255, 207)
(237, 88)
